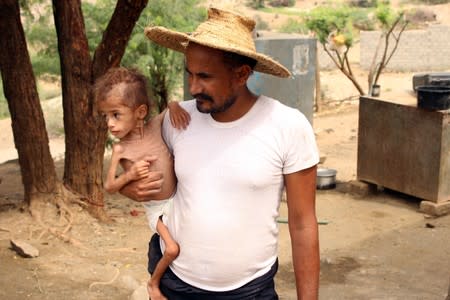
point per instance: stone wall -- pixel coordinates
(418, 50)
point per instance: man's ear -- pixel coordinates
(242, 74)
(142, 111)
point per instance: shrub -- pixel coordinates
(285, 3)
(293, 26)
(363, 3)
(260, 23)
(256, 4)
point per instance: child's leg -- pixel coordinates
(171, 252)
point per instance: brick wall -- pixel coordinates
(418, 50)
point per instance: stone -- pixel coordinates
(24, 249)
(435, 209)
(357, 187)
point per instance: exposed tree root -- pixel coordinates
(60, 235)
(106, 282)
(61, 200)
(94, 210)
(35, 275)
(100, 214)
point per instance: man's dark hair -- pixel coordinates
(235, 60)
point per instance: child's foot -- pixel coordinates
(154, 292)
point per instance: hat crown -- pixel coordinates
(223, 30)
(226, 26)
(224, 16)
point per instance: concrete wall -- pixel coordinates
(418, 50)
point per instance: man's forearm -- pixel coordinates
(306, 260)
(146, 189)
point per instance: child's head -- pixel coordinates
(121, 96)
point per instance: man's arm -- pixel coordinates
(303, 229)
(147, 188)
(114, 183)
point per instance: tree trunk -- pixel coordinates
(28, 124)
(85, 132)
(115, 38)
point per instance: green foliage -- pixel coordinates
(343, 19)
(4, 111)
(385, 15)
(260, 23)
(363, 3)
(41, 37)
(294, 26)
(165, 67)
(256, 4)
(41, 32)
(284, 3)
(326, 19)
(361, 20)
(96, 17)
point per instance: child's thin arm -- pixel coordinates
(113, 184)
(138, 170)
(179, 117)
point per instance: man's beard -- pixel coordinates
(213, 110)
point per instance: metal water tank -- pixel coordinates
(298, 54)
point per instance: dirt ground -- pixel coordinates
(372, 247)
(377, 246)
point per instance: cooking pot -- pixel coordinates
(433, 97)
(326, 178)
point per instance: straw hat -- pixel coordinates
(222, 30)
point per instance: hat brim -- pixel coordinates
(178, 41)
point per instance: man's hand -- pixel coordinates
(145, 188)
(138, 170)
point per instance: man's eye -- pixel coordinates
(116, 115)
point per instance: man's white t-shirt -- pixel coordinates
(230, 182)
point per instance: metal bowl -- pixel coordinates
(326, 178)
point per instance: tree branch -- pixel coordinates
(344, 71)
(115, 38)
(347, 63)
(397, 40)
(374, 66)
(384, 60)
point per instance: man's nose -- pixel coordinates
(194, 86)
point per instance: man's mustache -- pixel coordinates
(203, 97)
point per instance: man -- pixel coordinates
(232, 162)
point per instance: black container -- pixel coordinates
(433, 97)
(437, 79)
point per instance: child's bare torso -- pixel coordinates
(151, 144)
